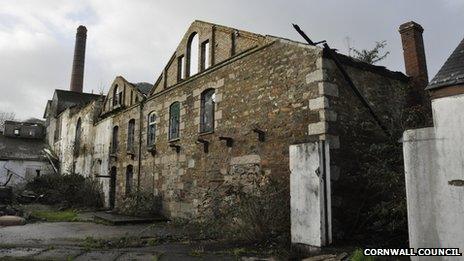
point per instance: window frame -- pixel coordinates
(151, 134)
(171, 121)
(203, 101)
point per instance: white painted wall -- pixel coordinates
(102, 142)
(308, 194)
(434, 168)
(25, 170)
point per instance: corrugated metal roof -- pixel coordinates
(452, 72)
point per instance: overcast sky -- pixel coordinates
(136, 38)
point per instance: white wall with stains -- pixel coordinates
(309, 203)
(434, 169)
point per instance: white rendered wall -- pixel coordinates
(434, 168)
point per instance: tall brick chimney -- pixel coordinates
(414, 60)
(77, 75)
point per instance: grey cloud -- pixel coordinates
(136, 38)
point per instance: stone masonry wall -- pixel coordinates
(267, 89)
(351, 125)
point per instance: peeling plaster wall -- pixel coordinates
(435, 178)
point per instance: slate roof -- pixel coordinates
(143, 87)
(21, 149)
(452, 72)
(67, 99)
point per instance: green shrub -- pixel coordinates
(359, 256)
(140, 203)
(70, 190)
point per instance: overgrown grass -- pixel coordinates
(55, 216)
(359, 256)
(90, 243)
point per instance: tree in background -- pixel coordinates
(5, 116)
(373, 55)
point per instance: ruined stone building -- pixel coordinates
(227, 105)
(22, 155)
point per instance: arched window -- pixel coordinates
(174, 120)
(151, 129)
(207, 111)
(131, 135)
(114, 143)
(77, 138)
(129, 177)
(192, 54)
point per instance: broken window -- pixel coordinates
(174, 120)
(151, 132)
(114, 143)
(129, 177)
(131, 135)
(205, 57)
(16, 132)
(180, 68)
(77, 138)
(207, 110)
(192, 54)
(131, 97)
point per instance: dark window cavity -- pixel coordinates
(77, 138)
(114, 143)
(129, 177)
(131, 135)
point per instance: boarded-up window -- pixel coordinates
(207, 111)
(174, 120)
(131, 135)
(151, 131)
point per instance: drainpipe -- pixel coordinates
(142, 102)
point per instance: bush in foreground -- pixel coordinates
(70, 190)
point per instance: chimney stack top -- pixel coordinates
(411, 26)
